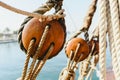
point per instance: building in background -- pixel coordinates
(7, 36)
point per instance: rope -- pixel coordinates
(89, 16)
(30, 48)
(93, 66)
(67, 75)
(48, 18)
(116, 26)
(102, 39)
(73, 63)
(42, 62)
(112, 44)
(119, 8)
(86, 63)
(81, 77)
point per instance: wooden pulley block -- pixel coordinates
(96, 49)
(83, 50)
(34, 30)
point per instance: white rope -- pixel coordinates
(116, 26)
(102, 39)
(112, 44)
(119, 8)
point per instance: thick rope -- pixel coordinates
(102, 39)
(119, 8)
(112, 44)
(42, 62)
(48, 18)
(89, 16)
(116, 26)
(29, 52)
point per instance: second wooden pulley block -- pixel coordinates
(83, 50)
(96, 43)
(34, 30)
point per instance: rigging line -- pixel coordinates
(18, 11)
(47, 17)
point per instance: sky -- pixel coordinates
(75, 12)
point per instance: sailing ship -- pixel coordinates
(42, 37)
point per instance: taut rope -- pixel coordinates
(112, 44)
(119, 8)
(116, 26)
(30, 48)
(102, 39)
(48, 18)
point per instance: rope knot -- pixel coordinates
(67, 74)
